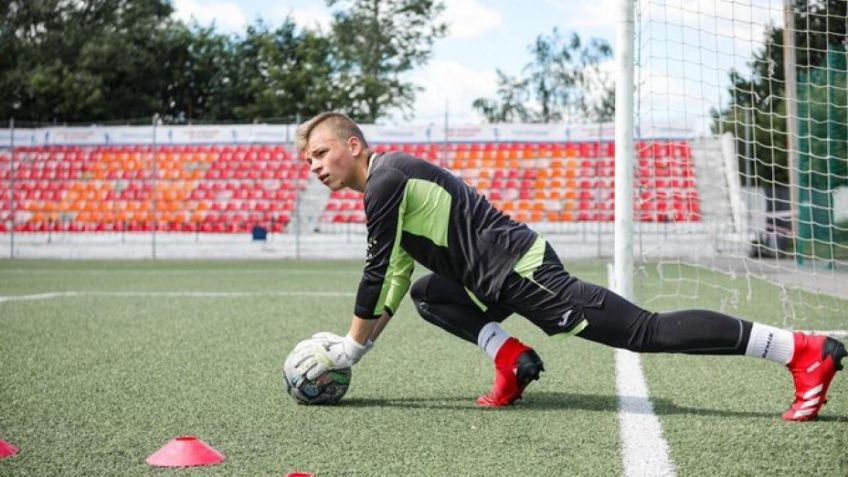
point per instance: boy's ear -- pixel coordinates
(355, 145)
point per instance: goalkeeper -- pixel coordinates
(487, 266)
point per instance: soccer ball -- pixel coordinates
(327, 388)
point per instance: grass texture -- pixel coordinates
(94, 382)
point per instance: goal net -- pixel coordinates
(757, 89)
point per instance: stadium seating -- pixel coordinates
(556, 182)
(221, 189)
(344, 207)
(232, 188)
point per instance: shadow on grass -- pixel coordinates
(563, 401)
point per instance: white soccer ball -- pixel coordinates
(327, 388)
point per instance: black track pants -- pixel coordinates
(559, 303)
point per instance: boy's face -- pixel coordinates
(332, 159)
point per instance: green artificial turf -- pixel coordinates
(721, 415)
(95, 382)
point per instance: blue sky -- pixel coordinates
(687, 46)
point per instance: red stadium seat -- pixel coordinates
(264, 179)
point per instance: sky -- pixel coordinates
(484, 35)
(687, 63)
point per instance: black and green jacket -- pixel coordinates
(418, 211)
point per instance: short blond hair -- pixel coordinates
(341, 124)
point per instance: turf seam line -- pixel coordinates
(644, 450)
(120, 294)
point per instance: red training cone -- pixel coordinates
(185, 451)
(7, 450)
(300, 474)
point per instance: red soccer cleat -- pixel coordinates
(814, 363)
(515, 366)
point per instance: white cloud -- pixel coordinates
(687, 49)
(730, 19)
(582, 16)
(456, 84)
(740, 26)
(226, 15)
(469, 18)
(310, 17)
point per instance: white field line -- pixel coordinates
(176, 271)
(644, 451)
(162, 294)
(37, 296)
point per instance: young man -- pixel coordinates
(487, 266)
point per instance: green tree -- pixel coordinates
(565, 80)
(379, 41)
(287, 72)
(124, 55)
(83, 61)
(201, 82)
(112, 60)
(510, 105)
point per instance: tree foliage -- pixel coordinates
(379, 41)
(564, 80)
(76, 61)
(285, 72)
(70, 61)
(512, 95)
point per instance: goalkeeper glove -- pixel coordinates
(328, 337)
(331, 352)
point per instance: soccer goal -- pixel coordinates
(756, 89)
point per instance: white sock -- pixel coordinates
(771, 343)
(491, 338)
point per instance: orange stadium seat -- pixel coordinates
(107, 188)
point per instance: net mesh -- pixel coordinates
(771, 166)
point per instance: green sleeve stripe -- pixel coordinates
(400, 281)
(394, 259)
(530, 261)
(476, 300)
